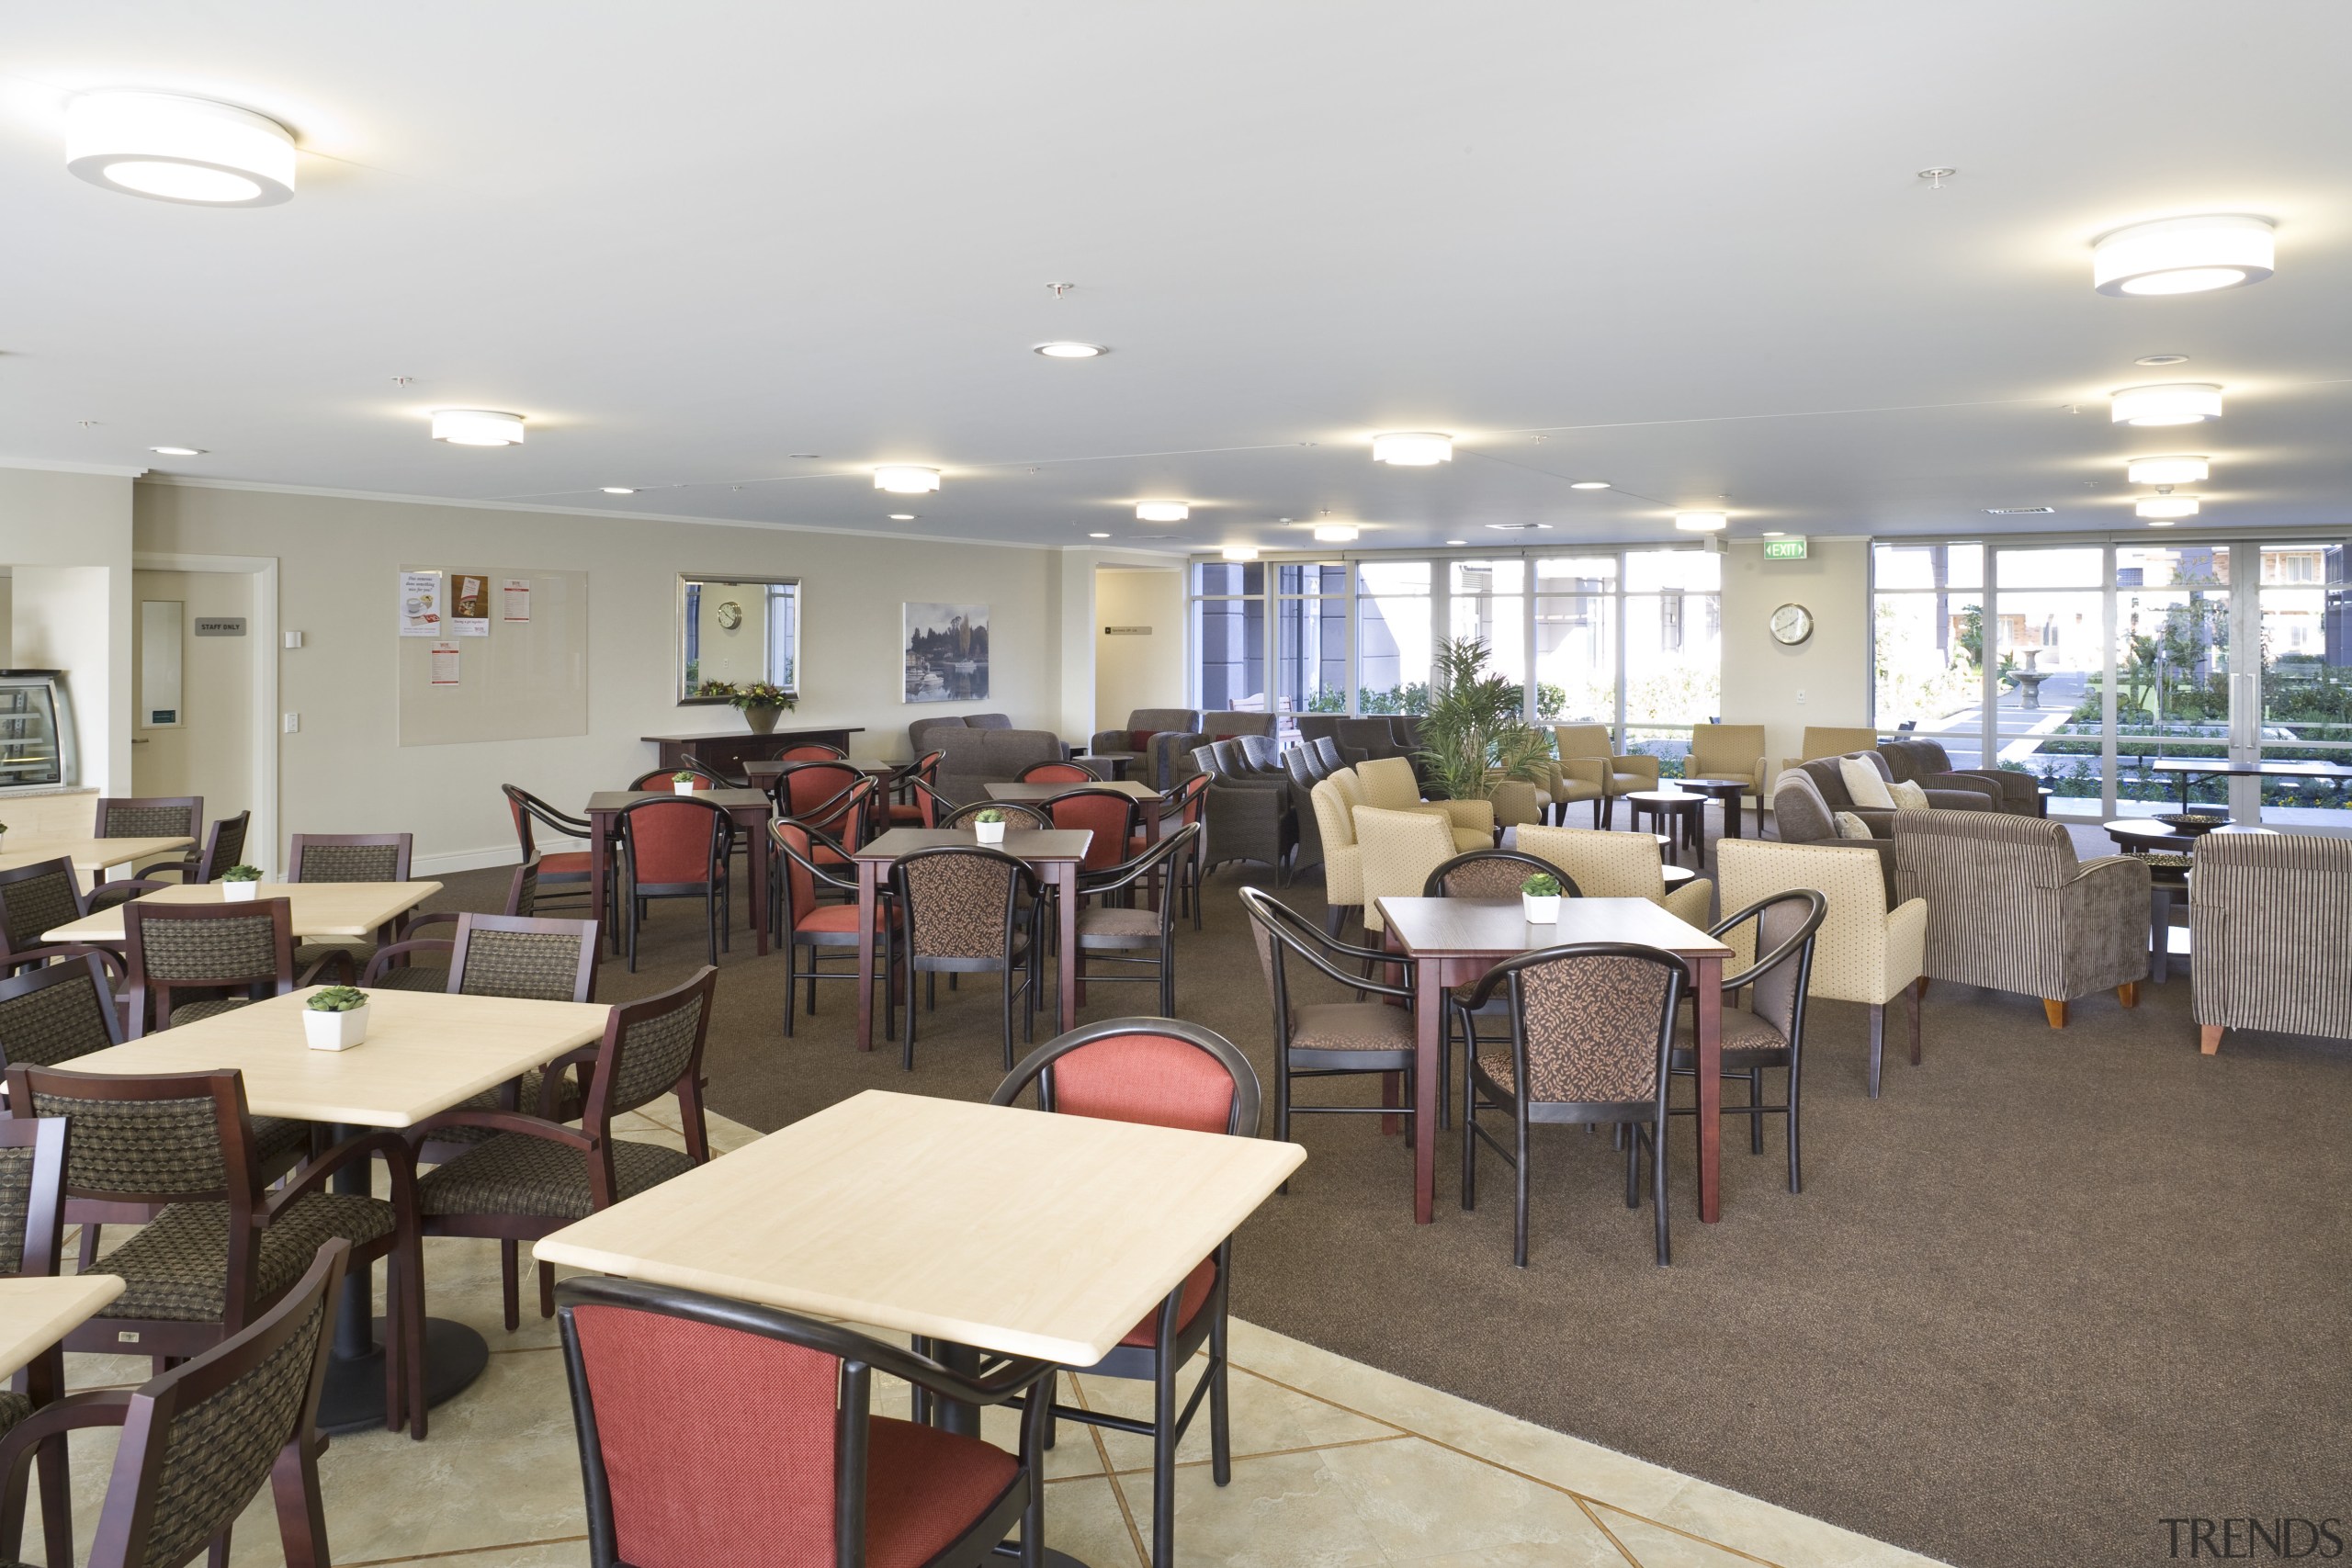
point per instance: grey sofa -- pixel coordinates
(977, 758)
(1167, 735)
(1926, 763)
(918, 730)
(1974, 796)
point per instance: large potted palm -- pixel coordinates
(1476, 737)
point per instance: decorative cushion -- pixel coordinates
(514, 1173)
(1197, 1285)
(1140, 740)
(1863, 785)
(177, 1267)
(1908, 796)
(1852, 827)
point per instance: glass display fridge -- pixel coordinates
(36, 730)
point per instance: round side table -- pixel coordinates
(1686, 814)
(1728, 791)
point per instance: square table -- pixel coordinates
(37, 1311)
(749, 809)
(352, 909)
(425, 1051)
(94, 857)
(1033, 793)
(1053, 852)
(1453, 942)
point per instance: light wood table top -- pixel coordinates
(1021, 843)
(1470, 928)
(424, 1052)
(1049, 791)
(319, 908)
(92, 854)
(725, 799)
(1011, 1229)
(37, 1311)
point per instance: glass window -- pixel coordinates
(1490, 603)
(1929, 652)
(1230, 644)
(1311, 638)
(1687, 571)
(2306, 665)
(1673, 654)
(1393, 637)
(1898, 568)
(1228, 577)
(1576, 639)
(2172, 678)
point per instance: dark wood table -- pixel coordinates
(1116, 763)
(2167, 879)
(2191, 769)
(750, 809)
(1728, 791)
(1053, 852)
(1453, 942)
(1688, 814)
(725, 754)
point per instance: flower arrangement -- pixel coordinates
(749, 693)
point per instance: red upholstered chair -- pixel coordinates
(570, 870)
(1188, 804)
(813, 791)
(676, 849)
(929, 806)
(1115, 819)
(1059, 773)
(912, 782)
(716, 1433)
(809, 752)
(1141, 942)
(800, 915)
(665, 779)
(1164, 1073)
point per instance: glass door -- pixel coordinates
(2045, 706)
(2300, 619)
(2172, 670)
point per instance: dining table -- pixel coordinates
(425, 1053)
(1054, 853)
(748, 809)
(94, 857)
(321, 911)
(39, 1310)
(1453, 942)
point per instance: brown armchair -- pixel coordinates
(1926, 763)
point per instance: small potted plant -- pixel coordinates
(988, 826)
(335, 1017)
(682, 782)
(240, 883)
(1540, 896)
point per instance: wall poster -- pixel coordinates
(468, 604)
(946, 652)
(421, 603)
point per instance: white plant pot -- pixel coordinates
(335, 1031)
(1544, 911)
(680, 788)
(240, 892)
(988, 832)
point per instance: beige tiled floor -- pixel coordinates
(1337, 1465)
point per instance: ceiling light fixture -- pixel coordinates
(620, 490)
(2167, 506)
(477, 427)
(1589, 484)
(1458, 541)
(1162, 511)
(177, 451)
(2167, 470)
(175, 149)
(1520, 527)
(2020, 511)
(1239, 552)
(2162, 359)
(1336, 533)
(1070, 350)
(1412, 449)
(1776, 533)
(905, 478)
(2160, 523)
(2178, 402)
(903, 516)
(1098, 536)
(1701, 522)
(2183, 255)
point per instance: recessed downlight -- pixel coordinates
(1520, 527)
(2160, 523)
(1588, 484)
(1098, 536)
(1162, 511)
(2177, 402)
(906, 478)
(1412, 449)
(477, 427)
(1070, 350)
(175, 149)
(1776, 533)
(177, 451)
(2167, 470)
(2183, 255)
(1701, 522)
(1458, 541)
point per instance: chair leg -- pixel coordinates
(1796, 1145)
(2055, 1011)
(1519, 1184)
(89, 1246)
(2208, 1038)
(301, 1511)
(1469, 1134)
(509, 1264)
(1657, 1187)
(2127, 993)
(1335, 919)
(1917, 993)
(547, 1289)
(1163, 1459)
(907, 1041)
(1755, 1122)
(1878, 1042)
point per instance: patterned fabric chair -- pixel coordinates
(677, 849)
(2009, 906)
(1020, 815)
(1926, 763)
(806, 924)
(1161, 1073)
(532, 1176)
(1591, 1024)
(1769, 1032)
(966, 911)
(395, 967)
(1618, 865)
(2267, 914)
(149, 817)
(224, 1244)
(1587, 756)
(1493, 873)
(1400, 849)
(1866, 952)
(174, 947)
(708, 1425)
(1730, 751)
(1249, 818)
(1134, 939)
(1390, 784)
(32, 1216)
(1317, 1040)
(347, 857)
(34, 900)
(201, 1441)
(224, 848)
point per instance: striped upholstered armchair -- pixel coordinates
(2256, 967)
(2009, 906)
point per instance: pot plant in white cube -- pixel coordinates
(988, 826)
(682, 782)
(240, 883)
(1540, 896)
(335, 1017)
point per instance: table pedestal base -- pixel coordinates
(353, 1399)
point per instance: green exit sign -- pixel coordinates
(1784, 549)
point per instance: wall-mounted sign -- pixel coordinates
(1784, 549)
(1126, 631)
(220, 626)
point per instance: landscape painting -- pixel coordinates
(947, 653)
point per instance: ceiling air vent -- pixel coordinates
(2020, 511)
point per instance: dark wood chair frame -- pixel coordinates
(145, 1414)
(193, 803)
(143, 988)
(662, 779)
(1020, 814)
(13, 961)
(43, 1379)
(716, 889)
(1189, 801)
(784, 922)
(251, 1207)
(402, 844)
(528, 808)
(1434, 886)
(1022, 1504)
(1797, 950)
(1175, 1342)
(934, 806)
(526, 877)
(216, 858)
(1646, 1118)
(1127, 834)
(592, 1139)
(1158, 952)
(810, 751)
(923, 771)
(1019, 920)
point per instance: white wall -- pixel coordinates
(1824, 681)
(1132, 671)
(67, 537)
(345, 772)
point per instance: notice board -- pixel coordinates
(524, 680)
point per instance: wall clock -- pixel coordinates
(730, 616)
(1792, 624)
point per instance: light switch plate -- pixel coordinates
(293, 640)
(293, 724)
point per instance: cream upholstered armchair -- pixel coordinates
(1729, 752)
(1619, 865)
(1828, 742)
(1865, 953)
(1588, 757)
(2267, 915)
(2009, 906)
(1388, 784)
(1335, 801)
(1399, 850)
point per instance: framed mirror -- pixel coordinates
(737, 629)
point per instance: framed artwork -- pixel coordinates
(946, 652)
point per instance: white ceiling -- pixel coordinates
(1678, 246)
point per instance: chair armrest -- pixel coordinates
(1692, 902)
(1905, 956)
(384, 955)
(410, 923)
(1592, 771)
(504, 1122)
(74, 1413)
(393, 1147)
(1644, 765)
(106, 894)
(1477, 815)
(108, 959)
(1108, 740)
(339, 961)
(1514, 802)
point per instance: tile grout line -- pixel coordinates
(466, 1551)
(1677, 1530)
(1622, 1550)
(1279, 1453)
(1102, 1452)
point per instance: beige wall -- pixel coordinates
(344, 772)
(67, 537)
(1131, 671)
(1824, 681)
(211, 751)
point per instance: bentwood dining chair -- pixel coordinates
(916, 780)
(1492, 874)
(705, 1423)
(1162, 1073)
(676, 849)
(32, 1184)
(199, 1441)
(1769, 1032)
(927, 806)
(565, 873)
(809, 752)
(1141, 941)
(965, 911)
(803, 922)
(1322, 1040)
(664, 780)
(814, 792)
(1115, 817)
(1059, 773)
(1018, 814)
(1591, 1027)
(1187, 805)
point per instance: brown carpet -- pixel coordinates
(2051, 1290)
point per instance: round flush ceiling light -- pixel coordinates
(2166, 470)
(477, 427)
(2182, 255)
(903, 516)
(1588, 484)
(1239, 552)
(175, 149)
(1098, 536)
(1412, 449)
(1336, 533)
(1701, 522)
(2178, 402)
(620, 490)
(905, 478)
(2167, 506)
(1162, 511)
(177, 451)
(1070, 350)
